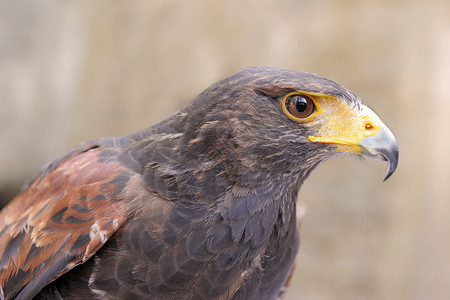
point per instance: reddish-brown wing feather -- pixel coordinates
(61, 220)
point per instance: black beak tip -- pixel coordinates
(392, 158)
(389, 172)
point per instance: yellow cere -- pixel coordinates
(336, 122)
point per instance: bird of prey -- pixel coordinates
(199, 206)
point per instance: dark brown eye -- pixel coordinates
(299, 106)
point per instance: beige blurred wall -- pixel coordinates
(75, 70)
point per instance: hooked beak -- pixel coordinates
(383, 146)
(359, 132)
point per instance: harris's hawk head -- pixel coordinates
(289, 121)
(199, 206)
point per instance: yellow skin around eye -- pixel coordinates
(336, 122)
(301, 120)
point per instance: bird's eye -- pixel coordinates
(299, 106)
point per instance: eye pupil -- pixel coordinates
(299, 106)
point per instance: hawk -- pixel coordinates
(199, 206)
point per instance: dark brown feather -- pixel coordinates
(199, 206)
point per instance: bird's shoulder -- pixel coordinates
(63, 216)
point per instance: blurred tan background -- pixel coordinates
(74, 70)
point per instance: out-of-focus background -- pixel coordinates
(75, 70)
